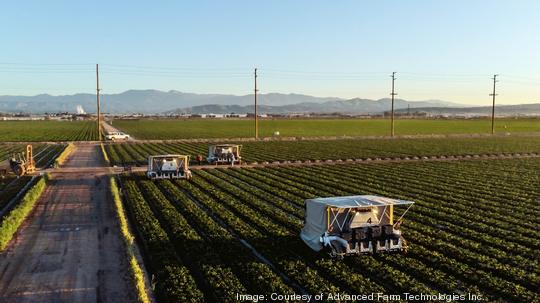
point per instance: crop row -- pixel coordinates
(405, 283)
(137, 153)
(384, 182)
(466, 234)
(173, 281)
(44, 154)
(315, 183)
(313, 127)
(35, 131)
(10, 185)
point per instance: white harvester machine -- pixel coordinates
(224, 154)
(20, 164)
(168, 167)
(353, 225)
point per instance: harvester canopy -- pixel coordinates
(339, 215)
(168, 167)
(224, 153)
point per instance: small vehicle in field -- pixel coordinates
(168, 167)
(224, 154)
(353, 225)
(117, 136)
(20, 163)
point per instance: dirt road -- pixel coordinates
(70, 248)
(108, 128)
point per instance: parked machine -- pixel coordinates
(224, 154)
(20, 163)
(354, 225)
(168, 167)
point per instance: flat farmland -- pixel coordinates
(43, 153)
(10, 184)
(137, 153)
(34, 131)
(470, 231)
(218, 128)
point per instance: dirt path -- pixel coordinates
(108, 128)
(70, 248)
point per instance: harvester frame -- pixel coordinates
(21, 163)
(168, 167)
(354, 225)
(224, 154)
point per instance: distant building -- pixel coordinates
(22, 118)
(236, 115)
(212, 115)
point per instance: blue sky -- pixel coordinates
(440, 50)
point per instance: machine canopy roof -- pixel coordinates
(358, 201)
(168, 156)
(226, 145)
(316, 217)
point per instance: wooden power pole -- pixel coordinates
(98, 103)
(256, 110)
(392, 94)
(493, 108)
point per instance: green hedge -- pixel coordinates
(64, 155)
(13, 220)
(137, 275)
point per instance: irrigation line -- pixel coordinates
(254, 251)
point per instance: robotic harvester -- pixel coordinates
(354, 225)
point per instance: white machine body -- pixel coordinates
(168, 167)
(224, 154)
(353, 225)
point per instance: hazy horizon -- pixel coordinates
(262, 101)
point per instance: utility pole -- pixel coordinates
(393, 94)
(98, 103)
(256, 111)
(493, 108)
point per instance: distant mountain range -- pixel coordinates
(141, 101)
(520, 109)
(155, 101)
(352, 106)
(175, 102)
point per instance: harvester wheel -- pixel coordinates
(19, 170)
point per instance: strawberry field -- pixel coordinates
(314, 127)
(137, 153)
(230, 231)
(36, 131)
(42, 152)
(10, 185)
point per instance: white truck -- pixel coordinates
(117, 136)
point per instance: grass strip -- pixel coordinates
(14, 219)
(136, 273)
(64, 155)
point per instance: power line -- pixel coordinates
(46, 64)
(186, 68)
(184, 76)
(286, 71)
